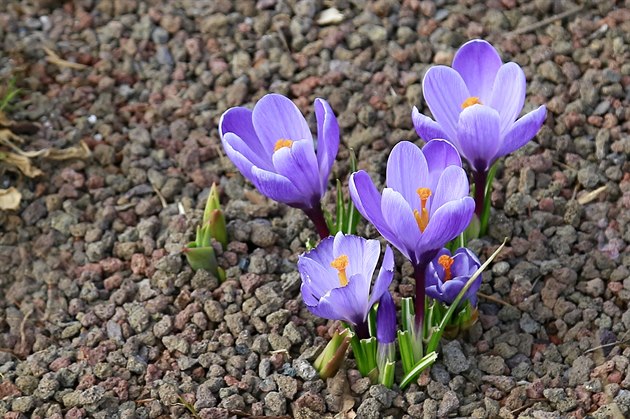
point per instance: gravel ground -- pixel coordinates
(101, 317)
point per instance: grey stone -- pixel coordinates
(369, 409)
(454, 359)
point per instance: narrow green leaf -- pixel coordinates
(386, 375)
(405, 346)
(340, 211)
(418, 368)
(485, 213)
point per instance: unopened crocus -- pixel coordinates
(424, 206)
(386, 331)
(476, 104)
(273, 148)
(336, 279)
(448, 273)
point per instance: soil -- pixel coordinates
(101, 317)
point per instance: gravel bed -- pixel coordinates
(101, 317)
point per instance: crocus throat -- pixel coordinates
(340, 264)
(422, 216)
(446, 262)
(473, 100)
(281, 143)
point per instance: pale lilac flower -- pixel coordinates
(273, 148)
(336, 279)
(476, 104)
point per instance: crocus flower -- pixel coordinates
(273, 148)
(336, 278)
(447, 274)
(424, 205)
(476, 104)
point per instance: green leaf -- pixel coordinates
(405, 345)
(426, 361)
(202, 258)
(386, 375)
(485, 213)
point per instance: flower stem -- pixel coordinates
(418, 274)
(317, 217)
(480, 191)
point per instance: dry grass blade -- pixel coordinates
(53, 58)
(591, 196)
(10, 199)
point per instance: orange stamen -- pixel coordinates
(340, 264)
(422, 216)
(446, 262)
(281, 143)
(473, 100)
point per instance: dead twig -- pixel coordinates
(494, 299)
(55, 59)
(545, 22)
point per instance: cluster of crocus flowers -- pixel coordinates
(273, 148)
(476, 104)
(425, 205)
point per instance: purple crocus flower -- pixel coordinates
(424, 205)
(273, 148)
(447, 274)
(336, 278)
(476, 104)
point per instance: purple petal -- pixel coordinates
(478, 63)
(450, 290)
(508, 94)
(407, 171)
(367, 200)
(426, 127)
(362, 255)
(444, 92)
(522, 131)
(257, 158)
(240, 161)
(344, 303)
(275, 117)
(322, 254)
(400, 219)
(384, 278)
(453, 184)
(386, 319)
(278, 188)
(308, 295)
(327, 140)
(478, 133)
(465, 263)
(239, 121)
(447, 222)
(439, 155)
(298, 163)
(319, 278)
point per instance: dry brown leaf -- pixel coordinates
(23, 163)
(53, 58)
(81, 151)
(591, 196)
(10, 199)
